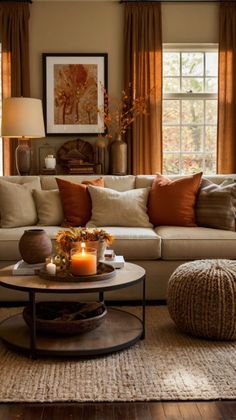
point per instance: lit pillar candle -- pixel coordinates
(51, 268)
(84, 262)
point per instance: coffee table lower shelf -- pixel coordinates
(119, 330)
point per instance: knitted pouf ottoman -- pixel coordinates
(201, 298)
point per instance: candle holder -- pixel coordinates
(83, 261)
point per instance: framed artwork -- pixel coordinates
(73, 92)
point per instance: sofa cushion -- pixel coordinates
(49, 207)
(76, 200)
(135, 242)
(114, 208)
(172, 203)
(9, 239)
(17, 207)
(192, 243)
(118, 183)
(132, 243)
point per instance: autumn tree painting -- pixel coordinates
(75, 94)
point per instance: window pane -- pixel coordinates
(210, 139)
(192, 111)
(171, 111)
(171, 64)
(171, 139)
(191, 163)
(192, 64)
(192, 139)
(211, 85)
(192, 84)
(171, 164)
(189, 121)
(210, 164)
(211, 111)
(211, 64)
(171, 84)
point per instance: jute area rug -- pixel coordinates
(167, 365)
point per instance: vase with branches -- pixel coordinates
(118, 115)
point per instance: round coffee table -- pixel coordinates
(119, 330)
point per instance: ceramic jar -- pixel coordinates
(35, 246)
(50, 162)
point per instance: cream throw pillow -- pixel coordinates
(49, 207)
(17, 206)
(113, 208)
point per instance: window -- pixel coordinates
(190, 85)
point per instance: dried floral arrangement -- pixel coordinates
(119, 114)
(66, 239)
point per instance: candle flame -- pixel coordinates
(83, 248)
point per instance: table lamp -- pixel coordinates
(22, 118)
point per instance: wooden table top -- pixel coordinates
(126, 276)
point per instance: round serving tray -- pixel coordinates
(104, 272)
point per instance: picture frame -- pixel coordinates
(73, 87)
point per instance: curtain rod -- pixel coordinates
(177, 1)
(17, 1)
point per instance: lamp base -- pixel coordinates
(23, 158)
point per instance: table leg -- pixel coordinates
(144, 307)
(33, 326)
(101, 297)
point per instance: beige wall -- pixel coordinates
(191, 23)
(70, 26)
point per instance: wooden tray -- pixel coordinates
(104, 272)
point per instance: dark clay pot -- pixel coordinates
(35, 246)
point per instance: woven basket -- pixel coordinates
(202, 298)
(62, 327)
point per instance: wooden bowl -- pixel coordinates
(61, 312)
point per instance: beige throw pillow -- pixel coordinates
(49, 207)
(113, 208)
(17, 206)
(216, 205)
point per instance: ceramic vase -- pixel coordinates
(118, 156)
(35, 246)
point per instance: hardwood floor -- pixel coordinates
(212, 410)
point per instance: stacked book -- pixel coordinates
(74, 166)
(117, 261)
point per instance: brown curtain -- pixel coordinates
(14, 36)
(226, 147)
(143, 69)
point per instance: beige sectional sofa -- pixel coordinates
(159, 250)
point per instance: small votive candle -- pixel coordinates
(51, 268)
(84, 261)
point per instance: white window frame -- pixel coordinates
(189, 95)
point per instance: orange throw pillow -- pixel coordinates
(171, 203)
(76, 201)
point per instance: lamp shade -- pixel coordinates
(22, 118)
